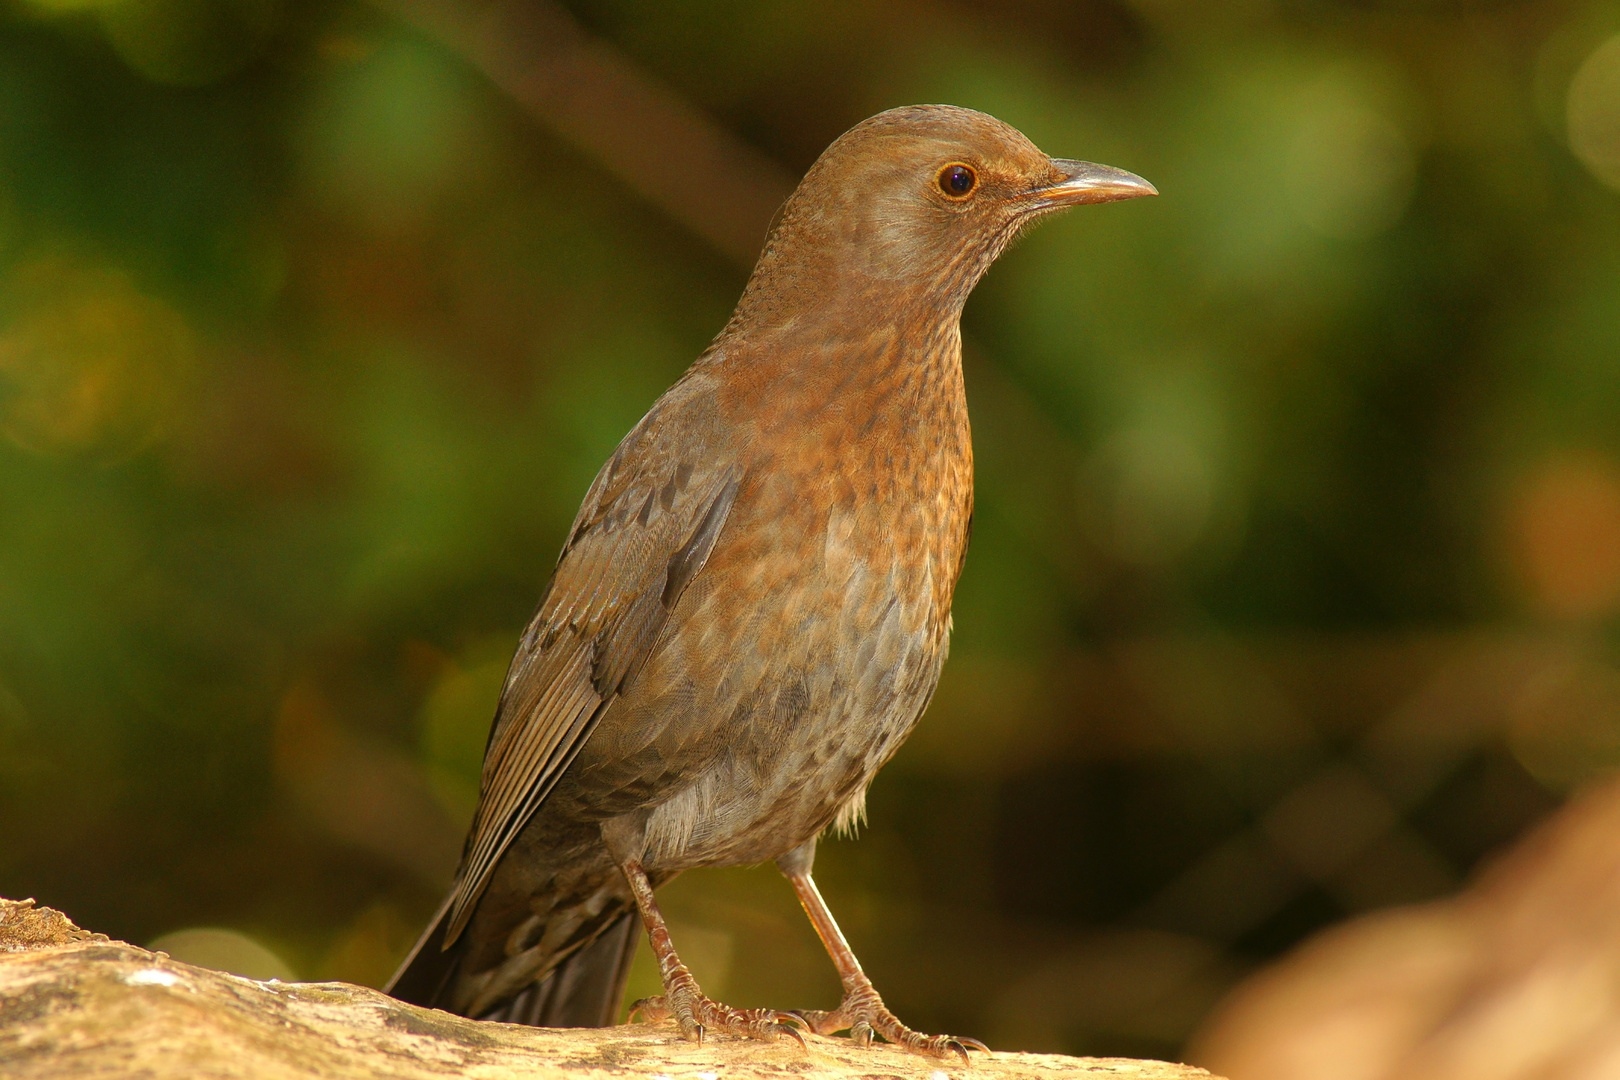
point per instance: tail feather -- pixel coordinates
(584, 990)
(425, 975)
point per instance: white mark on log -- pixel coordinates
(938, 1074)
(707, 1076)
(151, 977)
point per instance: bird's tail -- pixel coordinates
(425, 975)
(584, 990)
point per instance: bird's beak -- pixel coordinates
(1084, 182)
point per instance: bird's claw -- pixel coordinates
(695, 1014)
(960, 1045)
(794, 1033)
(809, 1019)
(865, 1016)
(649, 1009)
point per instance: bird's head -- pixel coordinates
(916, 203)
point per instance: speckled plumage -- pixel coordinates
(753, 608)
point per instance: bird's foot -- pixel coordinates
(696, 1015)
(863, 1013)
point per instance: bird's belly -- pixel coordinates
(803, 721)
(741, 811)
(753, 723)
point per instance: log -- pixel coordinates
(73, 1003)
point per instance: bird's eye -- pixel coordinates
(957, 181)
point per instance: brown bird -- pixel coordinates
(753, 606)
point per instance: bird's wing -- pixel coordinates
(643, 534)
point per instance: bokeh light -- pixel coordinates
(88, 364)
(224, 950)
(1594, 112)
(1350, 168)
(391, 131)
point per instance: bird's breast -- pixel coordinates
(800, 658)
(863, 468)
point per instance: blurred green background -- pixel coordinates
(1296, 563)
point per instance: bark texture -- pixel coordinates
(76, 1004)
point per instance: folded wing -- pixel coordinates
(645, 530)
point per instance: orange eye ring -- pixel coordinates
(956, 180)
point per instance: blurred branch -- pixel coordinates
(76, 1004)
(670, 153)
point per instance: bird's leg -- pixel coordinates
(694, 1013)
(862, 1011)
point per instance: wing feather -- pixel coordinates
(644, 532)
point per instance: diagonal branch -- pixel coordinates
(669, 152)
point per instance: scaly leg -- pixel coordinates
(682, 998)
(862, 1011)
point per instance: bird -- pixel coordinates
(753, 606)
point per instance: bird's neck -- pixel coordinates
(882, 380)
(833, 288)
(833, 348)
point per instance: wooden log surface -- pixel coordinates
(76, 1004)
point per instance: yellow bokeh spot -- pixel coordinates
(88, 363)
(1593, 112)
(224, 950)
(1157, 491)
(1349, 168)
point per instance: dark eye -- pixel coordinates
(957, 181)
